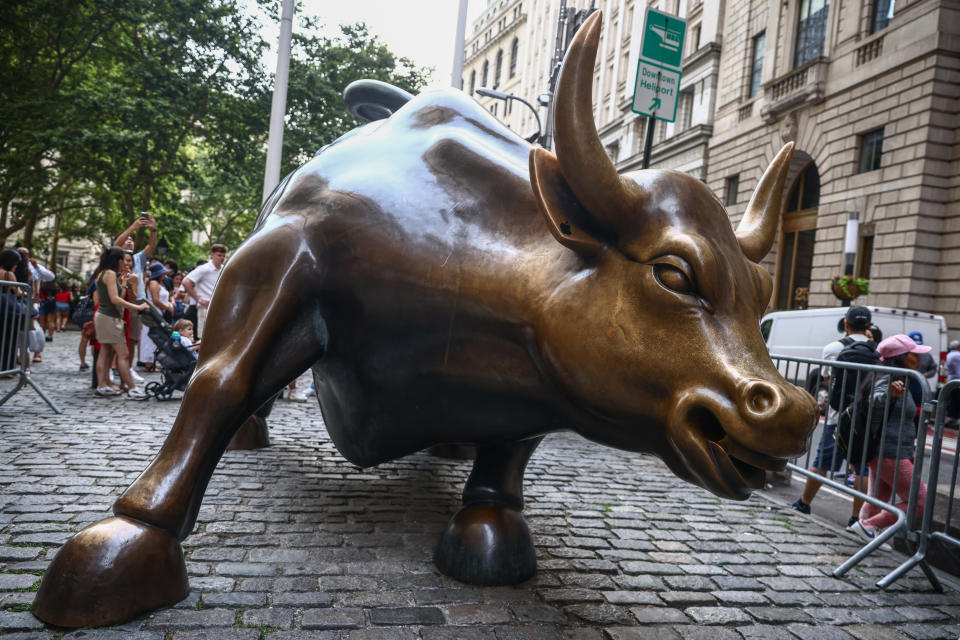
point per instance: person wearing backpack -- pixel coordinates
(893, 464)
(856, 323)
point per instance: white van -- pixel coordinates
(805, 333)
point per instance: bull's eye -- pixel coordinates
(673, 279)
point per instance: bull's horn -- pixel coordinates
(758, 227)
(583, 161)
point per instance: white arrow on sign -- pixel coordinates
(656, 92)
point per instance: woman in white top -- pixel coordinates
(160, 297)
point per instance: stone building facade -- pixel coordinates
(867, 90)
(680, 145)
(495, 46)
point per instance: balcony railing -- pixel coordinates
(867, 52)
(803, 85)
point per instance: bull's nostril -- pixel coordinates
(761, 398)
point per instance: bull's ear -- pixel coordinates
(566, 218)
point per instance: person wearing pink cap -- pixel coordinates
(893, 466)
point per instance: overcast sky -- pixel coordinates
(422, 30)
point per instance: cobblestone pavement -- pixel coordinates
(294, 542)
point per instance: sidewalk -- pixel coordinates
(293, 542)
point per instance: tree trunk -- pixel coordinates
(28, 231)
(55, 241)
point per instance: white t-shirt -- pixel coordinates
(38, 272)
(830, 352)
(204, 279)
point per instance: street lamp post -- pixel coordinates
(500, 95)
(850, 245)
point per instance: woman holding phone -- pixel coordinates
(108, 321)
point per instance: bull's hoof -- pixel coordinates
(487, 544)
(111, 572)
(252, 434)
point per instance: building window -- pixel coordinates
(485, 73)
(864, 256)
(694, 40)
(882, 14)
(756, 64)
(811, 30)
(805, 194)
(497, 69)
(473, 81)
(613, 150)
(684, 111)
(732, 189)
(62, 258)
(798, 237)
(514, 49)
(871, 149)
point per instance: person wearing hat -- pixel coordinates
(893, 465)
(928, 367)
(856, 323)
(160, 297)
(953, 373)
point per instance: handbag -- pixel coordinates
(35, 341)
(89, 331)
(83, 312)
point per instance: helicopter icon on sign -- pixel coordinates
(669, 38)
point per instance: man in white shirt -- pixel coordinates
(38, 273)
(856, 324)
(200, 282)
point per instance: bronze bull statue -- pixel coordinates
(448, 283)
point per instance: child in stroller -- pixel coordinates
(177, 359)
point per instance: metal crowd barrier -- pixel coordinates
(810, 373)
(16, 302)
(927, 534)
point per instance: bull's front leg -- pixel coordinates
(264, 328)
(488, 542)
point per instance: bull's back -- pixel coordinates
(421, 221)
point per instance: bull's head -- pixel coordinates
(657, 335)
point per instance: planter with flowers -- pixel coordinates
(848, 287)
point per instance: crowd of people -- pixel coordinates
(124, 285)
(881, 463)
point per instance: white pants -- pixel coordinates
(148, 350)
(201, 319)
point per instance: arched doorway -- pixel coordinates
(797, 238)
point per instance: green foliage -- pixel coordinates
(110, 107)
(860, 286)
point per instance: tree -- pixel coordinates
(226, 192)
(44, 49)
(111, 107)
(320, 69)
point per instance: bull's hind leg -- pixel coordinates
(254, 433)
(488, 542)
(264, 328)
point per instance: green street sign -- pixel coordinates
(663, 38)
(656, 92)
(658, 72)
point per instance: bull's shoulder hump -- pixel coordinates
(438, 133)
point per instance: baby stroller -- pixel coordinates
(177, 361)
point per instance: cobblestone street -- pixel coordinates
(294, 542)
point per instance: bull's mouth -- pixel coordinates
(723, 465)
